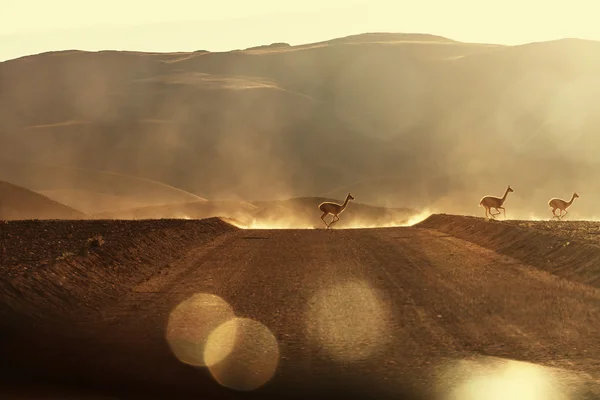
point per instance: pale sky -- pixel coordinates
(35, 26)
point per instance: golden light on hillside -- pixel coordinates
(280, 223)
(535, 217)
(349, 321)
(234, 222)
(363, 223)
(415, 219)
(347, 221)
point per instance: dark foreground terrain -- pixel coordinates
(415, 312)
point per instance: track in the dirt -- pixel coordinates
(366, 313)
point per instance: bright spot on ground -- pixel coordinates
(242, 354)
(191, 323)
(349, 320)
(500, 379)
(415, 219)
(534, 217)
(347, 221)
(279, 224)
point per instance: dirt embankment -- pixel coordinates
(55, 268)
(569, 250)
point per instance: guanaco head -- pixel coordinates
(510, 189)
(350, 196)
(575, 195)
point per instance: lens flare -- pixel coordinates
(242, 354)
(191, 323)
(500, 379)
(349, 320)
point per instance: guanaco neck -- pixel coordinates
(504, 197)
(572, 198)
(345, 202)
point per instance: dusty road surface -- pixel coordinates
(367, 313)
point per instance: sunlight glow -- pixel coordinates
(347, 221)
(495, 379)
(234, 24)
(534, 217)
(422, 216)
(283, 223)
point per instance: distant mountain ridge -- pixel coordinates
(433, 116)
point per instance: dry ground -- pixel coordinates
(580, 231)
(367, 312)
(55, 268)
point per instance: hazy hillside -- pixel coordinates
(19, 203)
(91, 191)
(289, 213)
(239, 210)
(399, 120)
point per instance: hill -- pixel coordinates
(19, 203)
(91, 191)
(290, 213)
(188, 210)
(401, 120)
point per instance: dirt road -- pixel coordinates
(372, 313)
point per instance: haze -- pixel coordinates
(31, 27)
(236, 104)
(166, 179)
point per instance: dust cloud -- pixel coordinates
(137, 117)
(355, 217)
(399, 123)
